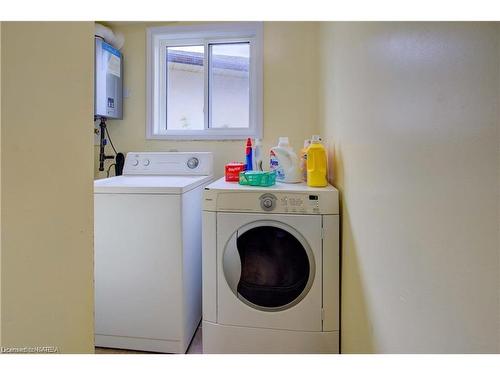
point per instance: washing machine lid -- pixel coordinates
(149, 184)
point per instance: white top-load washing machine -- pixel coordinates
(147, 240)
(270, 269)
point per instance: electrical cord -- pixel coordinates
(109, 168)
(110, 141)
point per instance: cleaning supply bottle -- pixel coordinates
(248, 157)
(257, 155)
(316, 163)
(284, 162)
(303, 159)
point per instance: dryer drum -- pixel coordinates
(271, 296)
(274, 267)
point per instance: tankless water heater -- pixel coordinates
(108, 94)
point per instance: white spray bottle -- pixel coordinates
(257, 155)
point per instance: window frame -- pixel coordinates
(159, 38)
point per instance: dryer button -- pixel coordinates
(268, 202)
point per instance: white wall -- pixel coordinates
(230, 98)
(46, 185)
(412, 110)
(185, 99)
(186, 93)
(290, 94)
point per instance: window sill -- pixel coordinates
(203, 137)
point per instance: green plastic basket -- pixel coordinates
(258, 178)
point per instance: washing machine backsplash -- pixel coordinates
(275, 268)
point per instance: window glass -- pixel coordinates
(185, 87)
(229, 85)
(204, 81)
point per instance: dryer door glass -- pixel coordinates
(275, 268)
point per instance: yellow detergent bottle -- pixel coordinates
(303, 159)
(316, 163)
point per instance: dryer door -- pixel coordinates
(270, 271)
(268, 265)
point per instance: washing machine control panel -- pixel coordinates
(168, 163)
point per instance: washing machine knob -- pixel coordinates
(146, 162)
(268, 202)
(192, 163)
(135, 162)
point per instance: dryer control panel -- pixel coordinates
(299, 199)
(294, 203)
(300, 203)
(271, 202)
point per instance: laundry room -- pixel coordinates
(417, 156)
(249, 185)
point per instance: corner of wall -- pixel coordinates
(0, 184)
(498, 194)
(326, 100)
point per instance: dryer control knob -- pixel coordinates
(135, 162)
(268, 202)
(146, 162)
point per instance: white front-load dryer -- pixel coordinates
(270, 269)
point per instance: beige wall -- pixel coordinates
(47, 173)
(290, 94)
(413, 112)
(0, 184)
(498, 194)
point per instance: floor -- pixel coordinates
(194, 348)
